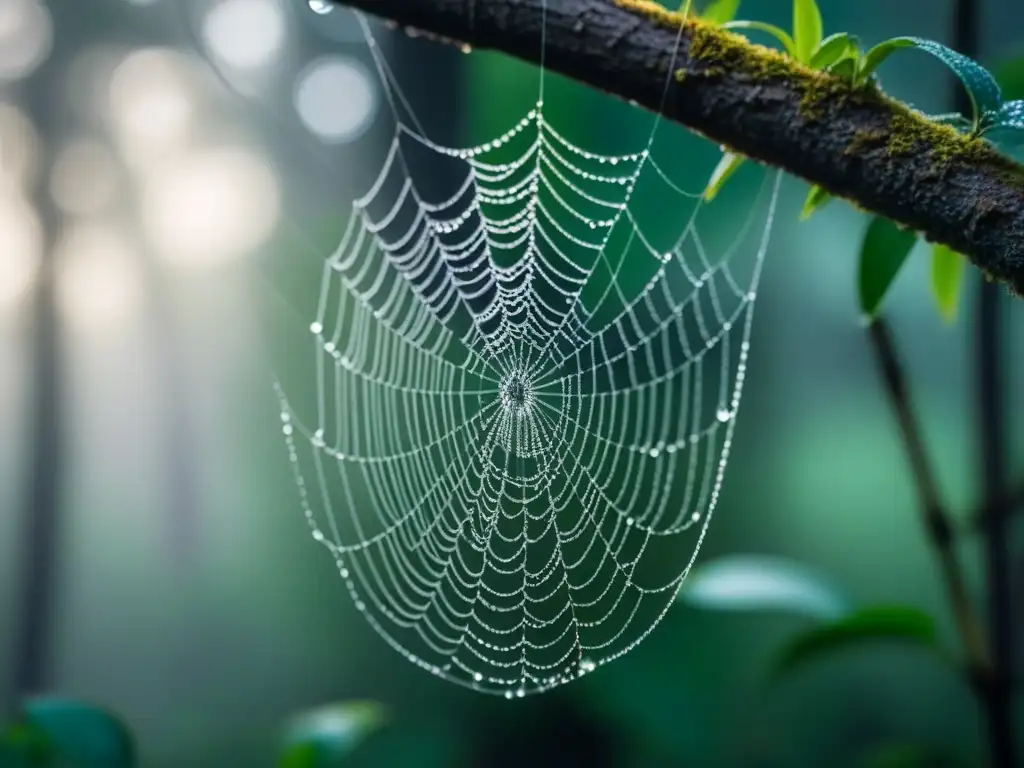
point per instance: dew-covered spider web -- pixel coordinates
(526, 391)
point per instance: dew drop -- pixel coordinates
(322, 7)
(477, 676)
(587, 665)
(723, 415)
(316, 328)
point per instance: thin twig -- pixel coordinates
(37, 580)
(936, 519)
(990, 391)
(991, 395)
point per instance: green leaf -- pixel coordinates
(947, 276)
(1010, 115)
(721, 11)
(873, 58)
(911, 756)
(759, 583)
(1010, 76)
(981, 86)
(883, 253)
(877, 623)
(87, 735)
(845, 68)
(326, 735)
(305, 755)
(1007, 127)
(726, 167)
(834, 48)
(25, 746)
(807, 28)
(817, 198)
(777, 32)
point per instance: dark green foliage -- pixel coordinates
(877, 623)
(325, 736)
(885, 249)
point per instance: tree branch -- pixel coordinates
(936, 518)
(856, 143)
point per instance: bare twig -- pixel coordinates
(935, 516)
(997, 691)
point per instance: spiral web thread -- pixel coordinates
(524, 407)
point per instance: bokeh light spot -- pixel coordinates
(26, 37)
(245, 33)
(100, 283)
(150, 104)
(336, 99)
(22, 238)
(19, 148)
(211, 207)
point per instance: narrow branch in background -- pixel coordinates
(990, 392)
(1012, 503)
(856, 143)
(936, 518)
(990, 371)
(41, 509)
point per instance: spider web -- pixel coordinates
(524, 404)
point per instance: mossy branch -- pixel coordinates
(857, 143)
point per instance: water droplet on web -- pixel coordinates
(587, 665)
(723, 415)
(316, 328)
(508, 694)
(477, 676)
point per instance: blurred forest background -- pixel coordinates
(183, 211)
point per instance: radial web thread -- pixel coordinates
(524, 404)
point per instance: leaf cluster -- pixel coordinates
(885, 247)
(833, 625)
(52, 732)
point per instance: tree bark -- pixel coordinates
(855, 142)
